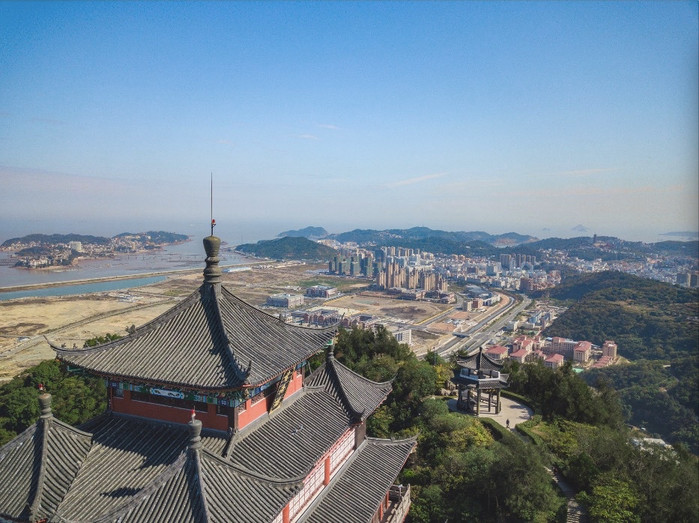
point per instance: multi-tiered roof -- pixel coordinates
(120, 467)
(212, 340)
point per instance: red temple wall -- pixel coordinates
(209, 419)
(295, 385)
(254, 411)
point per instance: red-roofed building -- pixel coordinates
(604, 361)
(581, 352)
(537, 355)
(554, 361)
(497, 352)
(519, 356)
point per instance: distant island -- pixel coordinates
(312, 233)
(289, 247)
(41, 251)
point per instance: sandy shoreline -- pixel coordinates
(136, 275)
(47, 285)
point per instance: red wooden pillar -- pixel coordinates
(285, 514)
(326, 479)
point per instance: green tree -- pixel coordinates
(612, 500)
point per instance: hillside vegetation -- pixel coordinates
(297, 248)
(661, 398)
(647, 319)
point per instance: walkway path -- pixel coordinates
(511, 410)
(519, 413)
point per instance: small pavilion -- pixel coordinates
(476, 374)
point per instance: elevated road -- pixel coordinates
(484, 330)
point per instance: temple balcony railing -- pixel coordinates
(398, 504)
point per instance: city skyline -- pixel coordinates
(549, 119)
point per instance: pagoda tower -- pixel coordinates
(210, 419)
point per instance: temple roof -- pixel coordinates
(132, 469)
(212, 340)
(355, 496)
(39, 465)
(201, 486)
(358, 395)
(288, 442)
(478, 361)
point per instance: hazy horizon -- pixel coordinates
(236, 234)
(531, 117)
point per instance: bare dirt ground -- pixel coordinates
(376, 305)
(70, 320)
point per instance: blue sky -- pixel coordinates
(533, 117)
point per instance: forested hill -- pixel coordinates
(156, 237)
(306, 232)
(647, 319)
(288, 248)
(159, 237)
(402, 236)
(50, 239)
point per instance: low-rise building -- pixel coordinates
(519, 356)
(285, 300)
(497, 352)
(581, 352)
(609, 349)
(554, 361)
(321, 291)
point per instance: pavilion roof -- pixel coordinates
(212, 340)
(479, 361)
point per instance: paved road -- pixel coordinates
(481, 333)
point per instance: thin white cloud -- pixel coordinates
(411, 181)
(584, 172)
(224, 141)
(328, 126)
(50, 121)
(585, 191)
(307, 136)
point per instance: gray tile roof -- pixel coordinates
(38, 466)
(358, 395)
(355, 495)
(133, 469)
(199, 486)
(479, 361)
(210, 340)
(288, 443)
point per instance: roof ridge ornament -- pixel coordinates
(212, 273)
(331, 349)
(194, 432)
(45, 403)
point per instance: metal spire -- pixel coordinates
(213, 222)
